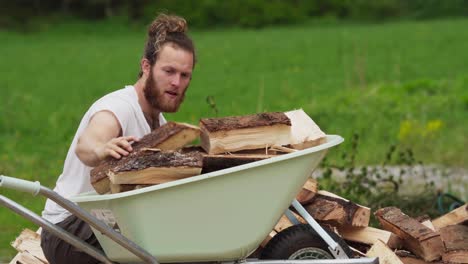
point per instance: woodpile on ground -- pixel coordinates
(28, 244)
(401, 238)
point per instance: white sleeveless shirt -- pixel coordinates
(75, 178)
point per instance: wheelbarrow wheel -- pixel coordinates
(301, 242)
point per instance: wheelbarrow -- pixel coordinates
(222, 216)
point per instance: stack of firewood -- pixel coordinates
(162, 155)
(28, 245)
(402, 239)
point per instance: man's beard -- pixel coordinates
(155, 96)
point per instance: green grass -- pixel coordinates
(399, 83)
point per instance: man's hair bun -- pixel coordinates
(165, 24)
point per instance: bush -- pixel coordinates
(243, 13)
(376, 187)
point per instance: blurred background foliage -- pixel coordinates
(25, 14)
(390, 89)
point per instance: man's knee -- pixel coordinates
(58, 251)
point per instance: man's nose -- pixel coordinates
(176, 80)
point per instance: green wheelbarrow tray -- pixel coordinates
(221, 216)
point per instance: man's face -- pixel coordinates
(169, 78)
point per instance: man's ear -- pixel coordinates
(145, 66)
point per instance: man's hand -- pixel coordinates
(116, 147)
(101, 139)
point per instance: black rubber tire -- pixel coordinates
(295, 239)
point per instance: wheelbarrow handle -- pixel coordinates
(36, 188)
(20, 185)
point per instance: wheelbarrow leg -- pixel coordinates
(334, 247)
(53, 229)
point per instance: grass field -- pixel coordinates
(400, 83)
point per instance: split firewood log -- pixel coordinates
(335, 210)
(455, 238)
(304, 131)
(369, 235)
(384, 253)
(416, 237)
(28, 244)
(170, 136)
(228, 134)
(308, 191)
(456, 216)
(155, 168)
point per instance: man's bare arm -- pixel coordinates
(102, 139)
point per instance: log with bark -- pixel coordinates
(416, 237)
(455, 238)
(170, 136)
(308, 191)
(150, 167)
(335, 210)
(228, 134)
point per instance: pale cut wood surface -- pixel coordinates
(428, 224)
(153, 175)
(369, 235)
(305, 132)
(457, 216)
(26, 258)
(28, 244)
(244, 139)
(284, 222)
(384, 253)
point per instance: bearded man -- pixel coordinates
(115, 121)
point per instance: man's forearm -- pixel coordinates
(87, 152)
